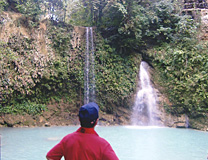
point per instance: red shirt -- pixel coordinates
(84, 144)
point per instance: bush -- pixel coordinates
(25, 107)
(184, 75)
(3, 5)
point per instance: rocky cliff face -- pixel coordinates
(204, 25)
(32, 64)
(14, 24)
(175, 120)
(27, 56)
(62, 114)
(14, 30)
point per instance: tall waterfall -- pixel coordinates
(89, 73)
(93, 65)
(145, 103)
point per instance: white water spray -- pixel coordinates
(89, 83)
(145, 103)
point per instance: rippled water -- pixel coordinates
(129, 143)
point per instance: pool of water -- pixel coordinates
(129, 143)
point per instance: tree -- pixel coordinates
(31, 8)
(3, 5)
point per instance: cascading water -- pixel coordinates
(92, 66)
(86, 82)
(89, 83)
(145, 103)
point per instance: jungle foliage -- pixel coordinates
(126, 31)
(184, 72)
(33, 79)
(116, 75)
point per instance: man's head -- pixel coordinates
(88, 115)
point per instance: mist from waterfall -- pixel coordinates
(145, 101)
(89, 73)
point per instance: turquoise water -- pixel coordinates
(129, 143)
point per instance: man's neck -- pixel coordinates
(87, 130)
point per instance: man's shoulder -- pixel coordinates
(102, 140)
(93, 137)
(69, 135)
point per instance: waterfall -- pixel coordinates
(145, 102)
(92, 66)
(89, 73)
(86, 82)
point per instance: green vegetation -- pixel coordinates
(184, 72)
(3, 5)
(116, 75)
(29, 78)
(25, 107)
(127, 31)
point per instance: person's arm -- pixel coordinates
(48, 158)
(56, 152)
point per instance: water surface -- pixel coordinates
(129, 143)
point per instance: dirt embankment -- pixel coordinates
(61, 114)
(16, 25)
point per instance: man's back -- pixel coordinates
(84, 144)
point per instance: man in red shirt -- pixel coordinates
(85, 143)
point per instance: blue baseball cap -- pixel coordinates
(89, 112)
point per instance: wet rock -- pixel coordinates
(1, 120)
(47, 124)
(11, 120)
(77, 34)
(181, 122)
(180, 125)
